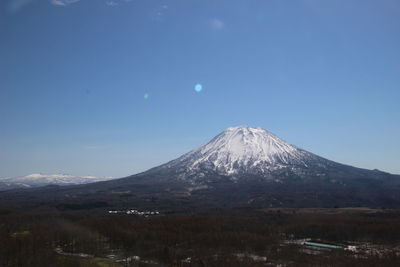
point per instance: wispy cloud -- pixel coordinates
(216, 24)
(63, 2)
(14, 6)
(114, 3)
(95, 147)
(159, 13)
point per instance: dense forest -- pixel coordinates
(235, 237)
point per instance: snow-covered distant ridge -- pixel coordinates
(38, 179)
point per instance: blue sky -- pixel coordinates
(107, 88)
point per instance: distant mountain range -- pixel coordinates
(37, 180)
(242, 166)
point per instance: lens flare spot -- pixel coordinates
(198, 87)
(146, 96)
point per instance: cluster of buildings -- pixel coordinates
(135, 212)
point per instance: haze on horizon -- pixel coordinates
(114, 87)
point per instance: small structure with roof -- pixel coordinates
(322, 246)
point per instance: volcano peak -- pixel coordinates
(241, 150)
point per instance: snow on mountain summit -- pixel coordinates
(245, 144)
(243, 150)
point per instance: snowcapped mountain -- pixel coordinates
(244, 165)
(37, 179)
(239, 151)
